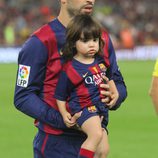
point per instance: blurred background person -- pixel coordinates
(154, 87)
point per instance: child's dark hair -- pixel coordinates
(81, 24)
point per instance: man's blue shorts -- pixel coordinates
(54, 146)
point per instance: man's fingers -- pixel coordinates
(111, 104)
(105, 100)
(113, 101)
(105, 78)
(105, 93)
(104, 86)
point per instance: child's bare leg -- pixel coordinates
(103, 147)
(92, 127)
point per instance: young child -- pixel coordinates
(78, 88)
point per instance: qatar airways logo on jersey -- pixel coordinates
(95, 79)
(23, 75)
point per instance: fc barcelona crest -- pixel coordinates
(92, 109)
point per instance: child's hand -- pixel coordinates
(68, 119)
(71, 120)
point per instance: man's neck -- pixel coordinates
(64, 18)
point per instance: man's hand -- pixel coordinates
(114, 94)
(110, 92)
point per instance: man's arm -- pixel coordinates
(31, 71)
(116, 76)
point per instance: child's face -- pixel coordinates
(87, 48)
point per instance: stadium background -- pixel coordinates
(129, 22)
(133, 128)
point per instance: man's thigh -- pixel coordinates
(52, 146)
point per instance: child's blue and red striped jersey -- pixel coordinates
(79, 84)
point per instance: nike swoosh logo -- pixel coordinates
(85, 75)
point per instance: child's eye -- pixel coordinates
(84, 39)
(95, 39)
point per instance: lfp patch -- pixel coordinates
(23, 75)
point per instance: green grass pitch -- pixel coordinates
(133, 129)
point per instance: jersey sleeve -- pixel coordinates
(116, 75)
(155, 72)
(31, 72)
(64, 87)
